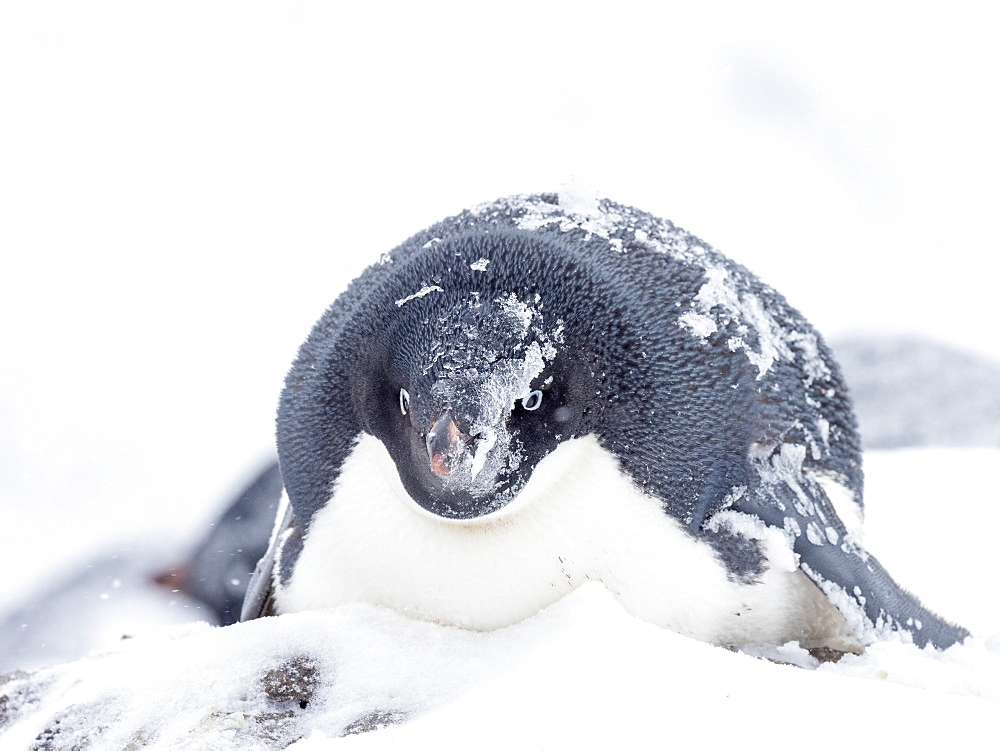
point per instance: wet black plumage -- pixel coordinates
(712, 392)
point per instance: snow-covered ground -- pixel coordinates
(184, 187)
(582, 674)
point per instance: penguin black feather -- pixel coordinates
(469, 358)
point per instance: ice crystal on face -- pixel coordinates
(487, 440)
(486, 358)
(519, 311)
(480, 265)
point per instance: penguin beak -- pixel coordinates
(446, 445)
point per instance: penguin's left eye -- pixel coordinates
(532, 401)
(404, 401)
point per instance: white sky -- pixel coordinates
(185, 186)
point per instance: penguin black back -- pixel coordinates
(482, 345)
(621, 301)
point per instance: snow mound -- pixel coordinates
(582, 672)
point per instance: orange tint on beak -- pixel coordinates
(445, 445)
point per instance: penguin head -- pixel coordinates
(468, 395)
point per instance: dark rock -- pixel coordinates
(73, 729)
(825, 654)
(18, 694)
(294, 680)
(374, 721)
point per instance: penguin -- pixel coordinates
(216, 571)
(554, 389)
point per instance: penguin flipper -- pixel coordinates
(853, 579)
(258, 602)
(857, 584)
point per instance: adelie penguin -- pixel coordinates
(544, 391)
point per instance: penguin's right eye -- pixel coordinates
(532, 401)
(404, 401)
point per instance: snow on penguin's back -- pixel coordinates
(460, 385)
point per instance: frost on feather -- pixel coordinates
(485, 359)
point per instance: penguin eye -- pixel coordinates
(532, 401)
(404, 401)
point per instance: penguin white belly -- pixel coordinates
(578, 519)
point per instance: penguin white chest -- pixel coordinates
(578, 519)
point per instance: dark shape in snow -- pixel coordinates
(549, 389)
(103, 600)
(293, 681)
(115, 593)
(17, 695)
(218, 571)
(372, 721)
(910, 391)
